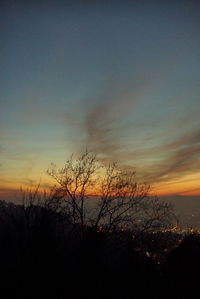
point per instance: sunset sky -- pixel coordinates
(121, 78)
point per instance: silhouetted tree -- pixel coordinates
(40, 252)
(107, 197)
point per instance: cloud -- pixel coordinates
(104, 131)
(107, 112)
(169, 161)
(182, 157)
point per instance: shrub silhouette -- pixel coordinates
(182, 266)
(40, 257)
(56, 246)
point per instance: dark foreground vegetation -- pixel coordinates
(97, 234)
(44, 255)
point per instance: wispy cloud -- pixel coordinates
(169, 161)
(107, 112)
(182, 157)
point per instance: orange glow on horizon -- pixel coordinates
(161, 189)
(184, 186)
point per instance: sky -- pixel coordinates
(121, 78)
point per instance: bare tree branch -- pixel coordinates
(119, 200)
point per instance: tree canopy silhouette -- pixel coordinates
(106, 197)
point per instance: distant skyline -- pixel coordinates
(121, 78)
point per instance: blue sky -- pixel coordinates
(120, 77)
